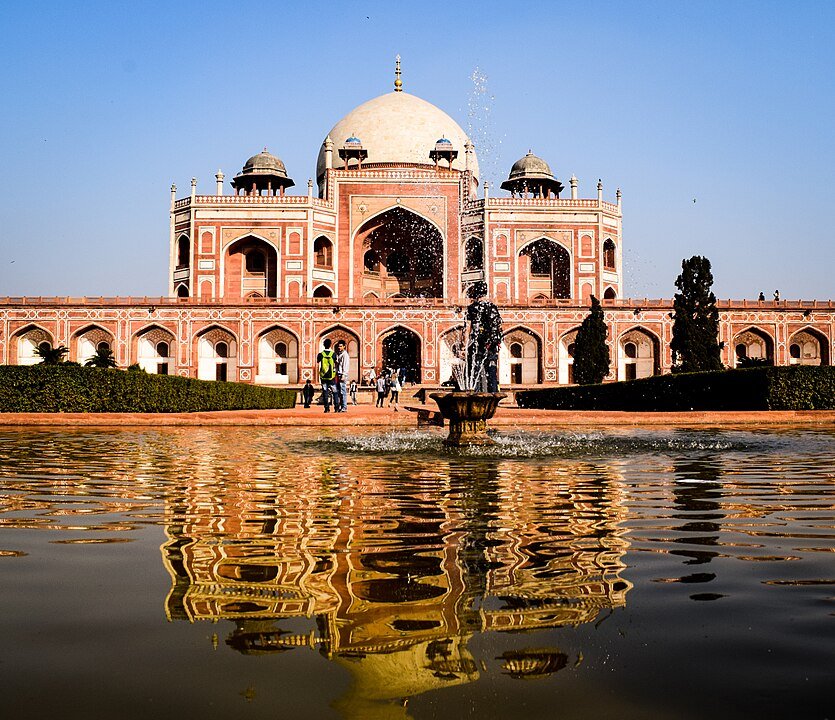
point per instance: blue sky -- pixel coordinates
(730, 104)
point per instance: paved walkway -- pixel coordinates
(372, 416)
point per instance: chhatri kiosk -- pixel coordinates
(379, 252)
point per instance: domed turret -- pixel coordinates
(443, 150)
(531, 174)
(353, 150)
(262, 172)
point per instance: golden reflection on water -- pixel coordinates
(390, 559)
(396, 564)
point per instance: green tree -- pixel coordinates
(102, 359)
(695, 343)
(51, 355)
(591, 353)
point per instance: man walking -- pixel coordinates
(343, 366)
(307, 393)
(327, 373)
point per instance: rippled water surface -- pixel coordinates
(266, 573)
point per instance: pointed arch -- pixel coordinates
(411, 250)
(520, 357)
(249, 265)
(545, 268)
(638, 353)
(400, 347)
(808, 346)
(89, 339)
(26, 341)
(752, 346)
(217, 353)
(154, 348)
(322, 291)
(278, 356)
(565, 345)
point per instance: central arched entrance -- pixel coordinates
(402, 255)
(401, 349)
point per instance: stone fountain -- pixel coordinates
(467, 413)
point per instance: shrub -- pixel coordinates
(71, 388)
(799, 387)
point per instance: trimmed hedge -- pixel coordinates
(70, 388)
(798, 387)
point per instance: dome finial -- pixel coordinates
(398, 83)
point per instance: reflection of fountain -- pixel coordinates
(468, 413)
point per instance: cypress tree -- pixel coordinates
(591, 353)
(695, 343)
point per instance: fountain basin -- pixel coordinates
(468, 413)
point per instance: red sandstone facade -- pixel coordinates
(381, 257)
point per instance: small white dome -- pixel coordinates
(399, 128)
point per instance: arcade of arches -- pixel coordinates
(402, 256)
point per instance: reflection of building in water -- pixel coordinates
(395, 578)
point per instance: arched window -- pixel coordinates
(323, 252)
(163, 349)
(609, 254)
(45, 347)
(323, 291)
(516, 350)
(570, 349)
(794, 351)
(371, 261)
(183, 252)
(281, 349)
(103, 346)
(182, 291)
(222, 350)
(474, 254)
(609, 294)
(630, 350)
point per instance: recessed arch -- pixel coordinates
(155, 349)
(249, 265)
(545, 268)
(323, 250)
(217, 353)
(566, 356)
(609, 261)
(183, 251)
(812, 347)
(520, 357)
(752, 346)
(182, 291)
(639, 353)
(88, 340)
(400, 347)
(411, 251)
(322, 291)
(26, 342)
(610, 294)
(278, 356)
(473, 258)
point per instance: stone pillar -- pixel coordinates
(599, 191)
(219, 179)
(573, 183)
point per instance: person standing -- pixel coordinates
(352, 390)
(381, 391)
(396, 387)
(343, 366)
(483, 337)
(327, 373)
(307, 393)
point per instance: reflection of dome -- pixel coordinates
(531, 664)
(399, 128)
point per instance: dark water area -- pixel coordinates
(272, 573)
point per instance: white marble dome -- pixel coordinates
(398, 128)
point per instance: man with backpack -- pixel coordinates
(327, 373)
(343, 366)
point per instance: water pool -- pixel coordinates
(250, 572)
